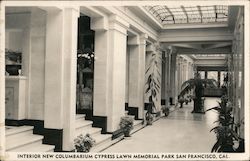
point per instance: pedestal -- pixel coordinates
(15, 97)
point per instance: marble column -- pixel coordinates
(60, 72)
(167, 77)
(71, 16)
(54, 70)
(117, 57)
(177, 78)
(163, 77)
(185, 70)
(180, 73)
(142, 57)
(110, 70)
(36, 65)
(101, 66)
(172, 77)
(137, 55)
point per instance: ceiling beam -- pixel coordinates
(191, 46)
(170, 13)
(202, 42)
(212, 68)
(208, 51)
(194, 35)
(199, 9)
(218, 45)
(185, 12)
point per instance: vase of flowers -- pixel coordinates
(84, 143)
(126, 124)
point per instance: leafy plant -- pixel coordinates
(226, 136)
(126, 124)
(165, 110)
(149, 118)
(197, 84)
(84, 143)
(153, 78)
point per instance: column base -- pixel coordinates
(132, 111)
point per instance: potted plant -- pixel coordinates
(126, 124)
(149, 118)
(197, 84)
(165, 110)
(84, 143)
(181, 100)
(153, 81)
(227, 138)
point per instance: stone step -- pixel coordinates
(81, 123)
(34, 147)
(21, 130)
(137, 126)
(16, 141)
(80, 116)
(103, 141)
(88, 130)
(133, 116)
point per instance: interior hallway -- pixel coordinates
(181, 131)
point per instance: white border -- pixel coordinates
(238, 156)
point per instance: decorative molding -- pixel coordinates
(119, 24)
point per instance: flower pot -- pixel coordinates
(126, 133)
(149, 122)
(165, 111)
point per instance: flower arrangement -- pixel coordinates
(84, 143)
(85, 57)
(126, 124)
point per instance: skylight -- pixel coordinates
(189, 14)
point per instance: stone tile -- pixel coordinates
(181, 131)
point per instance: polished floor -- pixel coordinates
(181, 131)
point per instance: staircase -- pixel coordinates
(85, 127)
(22, 139)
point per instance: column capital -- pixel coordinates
(74, 8)
(150, 48)
(143, 38)
(99, 24)
(133, 40)
(118, 24)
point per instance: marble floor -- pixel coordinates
(181, 131)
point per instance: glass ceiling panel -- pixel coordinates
(189, 14)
